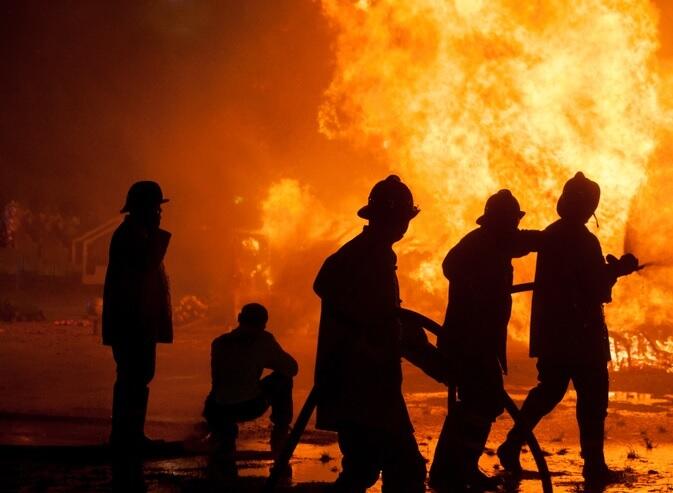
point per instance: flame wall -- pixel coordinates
(268, 122)
(465, 97)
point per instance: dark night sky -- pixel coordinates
(97, 94)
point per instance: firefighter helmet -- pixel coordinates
(501, 205)
(579, 198)
(143, 195)
(389, 198)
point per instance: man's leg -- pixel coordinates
(445, 461)
(361, 463)
(592, 385)
(403, 465)
(277, 389)
(553, 380)
(147, 364)
(120, 397)
(482, 401)
(135, 370)
(222, 425)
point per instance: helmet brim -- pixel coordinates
(127, 207)
(365, 212)
(484, 217)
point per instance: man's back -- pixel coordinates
(480, 273)
(358, 365)
(238, 360)
(136, 296)
(571, 285)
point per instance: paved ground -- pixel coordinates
(55, 389)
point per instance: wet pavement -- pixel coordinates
(639, 442)
(65, 400)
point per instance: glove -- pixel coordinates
(627, 264)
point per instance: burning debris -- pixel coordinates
(189, 309)
(636, 350)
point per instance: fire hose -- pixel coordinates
(283, 458)
(535, 449)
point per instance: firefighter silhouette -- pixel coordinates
(568, 334)
(479, 270)
(361, 339)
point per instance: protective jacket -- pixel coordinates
(479, 270)
(136, 296)
(572, 282)
(361, 340)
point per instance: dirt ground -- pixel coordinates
(55, 384)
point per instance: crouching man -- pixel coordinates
(239, 394)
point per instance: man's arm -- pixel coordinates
(279, 360)
(149, 251)
(600, 276)
(525, 241)
(418, 351)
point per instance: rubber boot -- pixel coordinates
(121, 432)
(142, 441)
(509, 452)
(445, 469)
(475, 437)
(595, 471)
(442, 453)
(222, 457)
(279, 436)
(117, 421)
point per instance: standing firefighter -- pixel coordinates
(568, 332)
(136, 310)
(479, 270)
(361, 340)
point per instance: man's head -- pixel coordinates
(501, 212)
(390, 208)
(143, 201)
(579, 199)
(253, 316)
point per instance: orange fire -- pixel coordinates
(464, 97)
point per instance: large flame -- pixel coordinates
(470, 96)
(464, 97)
